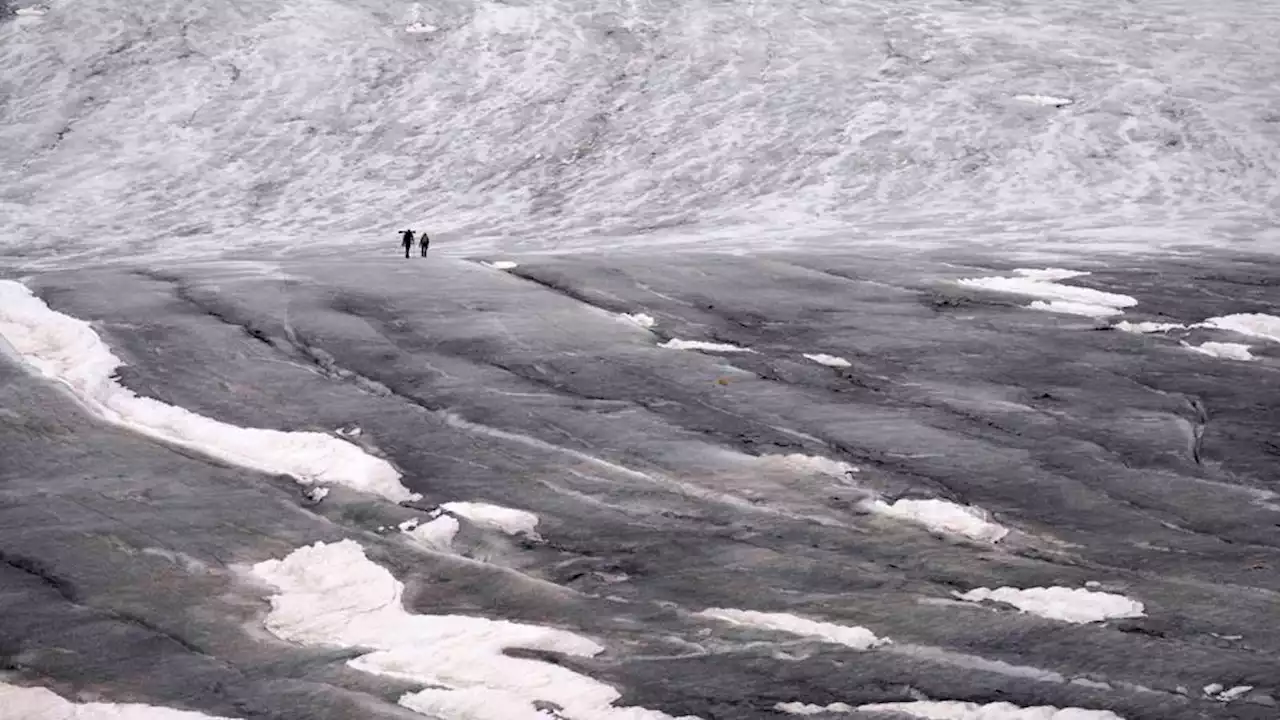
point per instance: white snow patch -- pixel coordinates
(1252, 324)
(502, 265)
(66, 349)
(420, 28)
(1053, 296)
(32, 703)
(808, 464)
(1066, 307)
(31, 12)
(828, 360)
(943, 516)
(437, 534)
(1147, 327)
(641, 319)
(1048, 274)
(1216, 691)
(953, 710)
(676, 344)
(316, 494)
(1045, 100)
(1229, 351)
(332, 595)
(495, 517)
(858, 638)
(799, 708)
(409, 525)
(1073, 605)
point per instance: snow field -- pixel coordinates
(333, 595)
(29, 703)
(858, 638)
(68, 350)
(1073, 605)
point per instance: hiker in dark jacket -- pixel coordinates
(424, 242)
(407, 240)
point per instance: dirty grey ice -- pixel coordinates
(832, 359)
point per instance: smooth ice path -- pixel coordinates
(30, 703)
(68, 350)
(332, 595)
(856, 637)
(1053, 295)
(1073, 605)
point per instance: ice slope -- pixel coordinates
(155, 128)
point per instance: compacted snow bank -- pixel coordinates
(28, 703)
(332, 595)
(68, 350)
(858, 638)
(1054, 296)
(1073, 605)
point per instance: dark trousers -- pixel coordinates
(424, 250)
(406, 250)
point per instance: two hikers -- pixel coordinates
(406, 239)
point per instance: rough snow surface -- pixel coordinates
(502, 265)
(420, 28)
(1046, 100)
(952, 710)
(858, 638)
(641, 319)
(495, 517)
(31, 703)
(1054, 296)
(1073, 605)
(799, 708)
(1227, 350)
(676, 344)
(943, 516)
(1147, 327)
(68, 350)
(331, 595)
(437, 534)
(828, 360)
(1252, 324)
